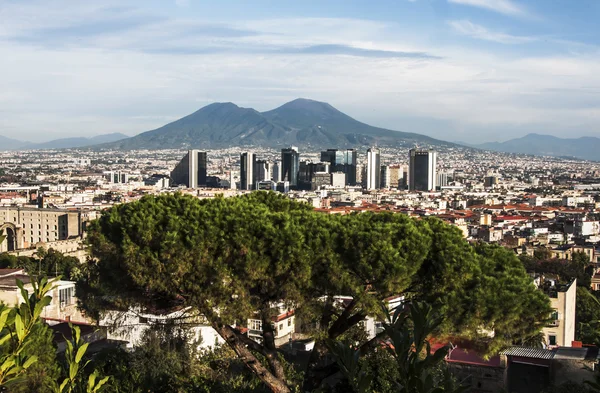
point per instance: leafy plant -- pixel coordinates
(16, 327)
(74, 381)
(409, 346)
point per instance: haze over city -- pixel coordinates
(457, 70)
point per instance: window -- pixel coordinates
(554, 316)
(255, 324)
(66, 296)
(143, 320)
(551, 340)
(280, 326)
(289, 321)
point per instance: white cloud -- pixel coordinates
(164, 69)
(507, 7)
(473, 30)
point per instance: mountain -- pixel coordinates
(587, 148)
(300, 122)
(70, 143)
(10, 144)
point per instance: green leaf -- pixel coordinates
(81, 352)
(73, 370)
(92, 380)
(30, 361)
(3, 317)
(19, 328)
(63, 385)
(100, 384)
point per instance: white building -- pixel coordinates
(373, 175)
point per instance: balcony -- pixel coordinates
(555, 323)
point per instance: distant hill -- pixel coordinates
(300, 122)
(64, 143)
(587, 148)
(10, 144)
(71, 143)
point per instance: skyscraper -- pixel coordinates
(422, 174)
(247, 165)
(191, 170)
(276, 171)
(341, 161)
(373, 169)
(262, 171)
(290, 165)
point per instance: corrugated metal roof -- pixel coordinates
(571, 353)
(525, 352)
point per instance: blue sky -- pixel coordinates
(459, 70)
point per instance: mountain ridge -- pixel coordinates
(301, 122)
(585, 147)
(61, 143)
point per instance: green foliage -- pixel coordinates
(587, 317)
(40, 376)
(240, 255)
(542, 254)
(75, 380)
(166, 362)
(48, 263)
(16, 331)
(566, 270)
(410, 352)
(507, 301)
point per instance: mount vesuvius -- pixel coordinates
(300, 122)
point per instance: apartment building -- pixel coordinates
(24, 227)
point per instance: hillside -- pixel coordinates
(300, 122)
(587, 148)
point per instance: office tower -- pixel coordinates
(308, 170)
(191, 170)
(276, 171)
(247, 165)
(341, 161)
(290, 165)
(422, 170)
(395, 176)
(386, 174)
(320, 179)
(373, 169)
(442, 180)
(262, 171)
(359, 175)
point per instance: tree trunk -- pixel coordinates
(269, 345)
(230, 336)
(316, 372)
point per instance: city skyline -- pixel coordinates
(458, 70)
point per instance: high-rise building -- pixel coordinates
(276, 171)
(422, 174)
(386, 176)
(396, 174)
(373, 169)
(262, 171)
(290, 165)
(191, 170)
(308, 170)
(442, 179)
(247, 165)
(342, 161)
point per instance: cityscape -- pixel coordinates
(300, 197)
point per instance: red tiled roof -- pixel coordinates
(281, 317)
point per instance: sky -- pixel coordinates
(458, 70)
